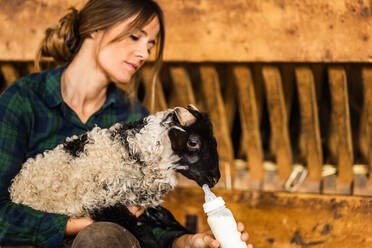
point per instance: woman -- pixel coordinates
(104, 43)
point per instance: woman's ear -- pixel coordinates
(94, 34)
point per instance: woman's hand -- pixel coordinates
(75, 225)
(136, 210)
(205, 239)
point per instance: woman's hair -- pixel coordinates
(64, 41)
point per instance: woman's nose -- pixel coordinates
(142, 52)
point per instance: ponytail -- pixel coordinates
(61, 42)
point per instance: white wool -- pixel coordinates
(103, 174)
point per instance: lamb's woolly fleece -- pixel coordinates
(104, 174)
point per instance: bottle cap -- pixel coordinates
(213, 204)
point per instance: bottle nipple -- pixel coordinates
(209, 196)
(211, 201)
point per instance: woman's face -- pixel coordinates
(119, 60)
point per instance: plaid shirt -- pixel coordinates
(34, 118)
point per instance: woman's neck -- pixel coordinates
(83, 84)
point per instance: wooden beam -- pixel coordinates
(182, 93)
(341, 122)
(229, 94)
(10, 73)
(264, 30)
(286, 219)
(216, 109)
(278, 122)
(367, 112)
(160, 103)
(310, 127)
(250, 124)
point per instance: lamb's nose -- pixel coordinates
(212, 181)
(215, 181)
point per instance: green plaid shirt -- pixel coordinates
(34, 118)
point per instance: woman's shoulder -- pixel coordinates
(34, 84)
(34, 81)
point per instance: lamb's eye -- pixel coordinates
(193, 144)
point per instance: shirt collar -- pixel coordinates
(53, 95)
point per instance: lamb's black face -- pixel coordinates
(197, 148)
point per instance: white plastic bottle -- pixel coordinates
(221, 221)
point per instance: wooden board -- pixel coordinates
(217, 30)
(157, 103)
(249, 120)
(310, 127)
(286, 220)
(182, 93)
(367, 82)
(278, 122)
(342, 129)
(10, 74)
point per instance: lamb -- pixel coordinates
(99, 173)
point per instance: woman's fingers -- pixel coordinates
(240, 227)
(140, 212)
(244, 237)
(212, 243)
(136, 210)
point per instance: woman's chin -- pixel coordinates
(121, 80)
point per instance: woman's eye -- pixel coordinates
(133, 37)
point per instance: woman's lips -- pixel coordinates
(132, 66)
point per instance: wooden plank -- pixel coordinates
(341, 121)
(288, 85)
(31, 68)
(249, 120)
(160, 103)
(182, 93)
(310, 127)
(278, 122)
(229, 94)
(367, 84)
(277, 30)
(285, 219)
(216, 109)
(9, 72)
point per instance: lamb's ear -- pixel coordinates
(194, 110)
(178, 138)
(191, 106)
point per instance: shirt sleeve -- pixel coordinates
(21, 225)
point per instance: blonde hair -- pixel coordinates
(63, 41)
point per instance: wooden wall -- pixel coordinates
(287, 84)
(218, 30)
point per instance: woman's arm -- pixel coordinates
(21, 225)
(75, 225)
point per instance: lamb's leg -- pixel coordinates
(161, 217)
(120, 214)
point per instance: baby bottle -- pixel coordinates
(221, 221)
